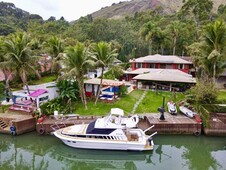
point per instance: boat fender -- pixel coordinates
(197, 133)
(12, 128)
(41, 131)
(13, 133)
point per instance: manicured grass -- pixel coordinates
(153, 101)
(45, 79)
(102, 108)
(148, 105)
(221, 95)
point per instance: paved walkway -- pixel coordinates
(138, 102)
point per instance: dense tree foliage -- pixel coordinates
(103, 55)
(194, 31)
(138, 35)
(76, 64)
(18, 56)
(209, 54)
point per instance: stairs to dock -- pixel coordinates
(2, 124)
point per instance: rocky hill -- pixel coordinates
(131, 7)
(13, 18)
(9, 9)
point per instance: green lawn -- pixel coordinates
(221, 95)
(45, 79)
(152, 101)
(148, 105)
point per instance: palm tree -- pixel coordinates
(103, 55)
(56, 48)
(162, 39)
(147, 32)
(76, 64)
(174, 28)
(215, 39)
(18, 57)
(2, 58)
(209, 54)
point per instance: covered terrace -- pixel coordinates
(109, 90)
(167, 79)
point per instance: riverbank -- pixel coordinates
(173, 124)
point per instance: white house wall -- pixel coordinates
(50, 87)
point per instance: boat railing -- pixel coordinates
(149, 128)
(58, 125)
(152, 134)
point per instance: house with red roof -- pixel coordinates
(160, 62)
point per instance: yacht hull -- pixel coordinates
(88, 143)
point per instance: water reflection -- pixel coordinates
(31, 151)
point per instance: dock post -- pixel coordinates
(162, 109)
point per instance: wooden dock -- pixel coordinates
(178, 124)
(173, 124)
(48, 125)
(16, 124)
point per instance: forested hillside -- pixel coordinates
(129, 8)
(147, 32)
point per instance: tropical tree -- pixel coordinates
(18, 55)
(199, 10)
(209, 54)
(103, 55)
(215, 39)
(147, 32)
(162, 38)
(77, 63)
(2, 59)
(68, 92)
(55, 47)
(174, 29)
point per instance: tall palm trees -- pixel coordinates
(76, 63)
(215, 39)
(147, 32)
(209, 54)
(18, 56)
(103, 55)
(55, 47)
(175, 28)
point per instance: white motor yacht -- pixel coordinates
(113, 132)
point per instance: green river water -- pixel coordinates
(176, 152)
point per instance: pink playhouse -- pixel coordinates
(22, 101)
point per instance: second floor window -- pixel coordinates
(181, 66)
(162, 65)
(138, 65)
(151, 65)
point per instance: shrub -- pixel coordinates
(48, 108)
(123, 90)
(204, 93)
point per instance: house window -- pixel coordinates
(169, 66)
(138, 65)
(181, 66)
(151, 65)
(162, 65)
